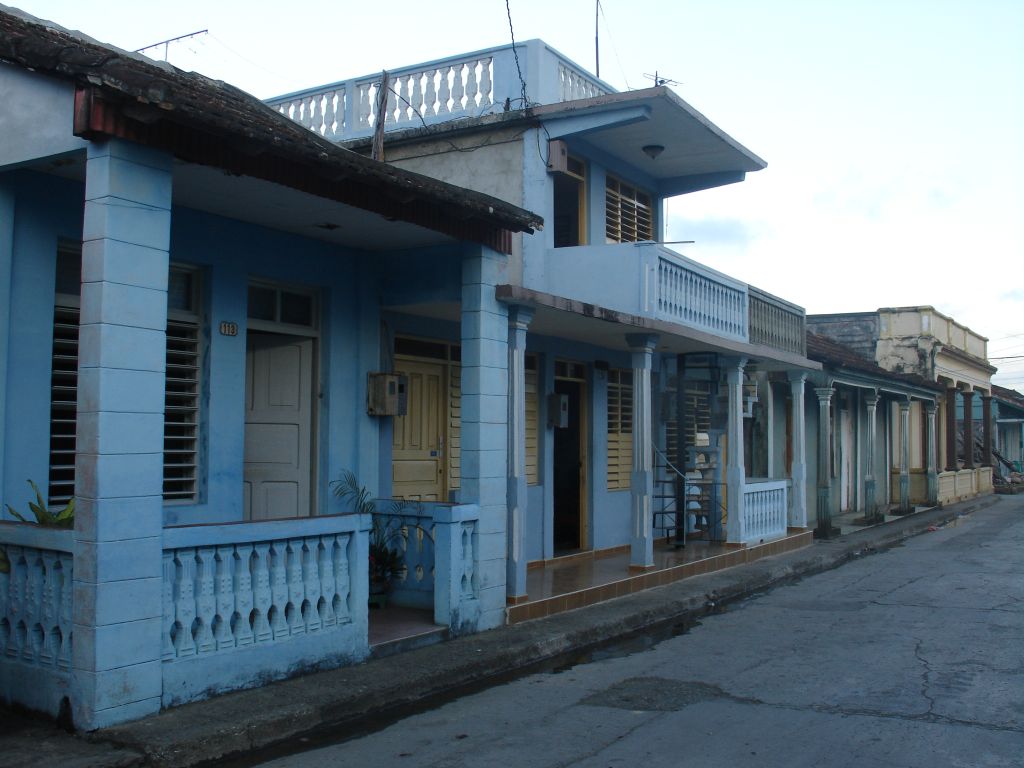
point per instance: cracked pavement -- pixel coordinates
(912, 656)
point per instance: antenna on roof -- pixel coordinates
(659, 80)
(169, 40)
(597, 50)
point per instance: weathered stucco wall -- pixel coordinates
(36, 117)
(858, 330)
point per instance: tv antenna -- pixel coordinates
(168, 41)
(659, 79)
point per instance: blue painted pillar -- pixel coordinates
(905, 455)
(735, 469)
(484, 432)
(931, 451)
(641, 542)
(518, 321)
(824, 529)
(871, 511)
(798, 472)
(119, 468)
(6, 263)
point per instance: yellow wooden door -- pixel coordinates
(418, 438)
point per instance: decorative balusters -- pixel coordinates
(484, 89)
(468, 580)
(765, 507)
(430, 95)
(444, 91)
(233, 595)
(458, 91)
(225, 597)
(690, 298)
(574, 85)
(35, 607)
(241, 621)
(776, 323)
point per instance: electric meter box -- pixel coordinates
(386, 394)
(558, 410)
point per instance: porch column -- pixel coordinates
(515, 580)
(951, 430)
(932, 472)
(870, 503)
(986, 430)
(968, 396)
(798, 475)
(735, 472)
(118, 578)
(484, 435)
(824, 529)
(905, 455)
(641, 544)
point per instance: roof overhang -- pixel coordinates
(696, 153)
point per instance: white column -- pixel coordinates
(930, 453)
(518, 321)
(905, 455)
(118, 577)
(870, 490)
(824, 528)
(798, 493)
(735, 472)
(641, 549)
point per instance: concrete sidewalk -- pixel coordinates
(345, 700)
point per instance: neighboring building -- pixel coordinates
(875, 449)
(1008, 415)
(625, 335)
(920, 340)
(192, 289)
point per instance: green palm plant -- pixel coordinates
(60, 518)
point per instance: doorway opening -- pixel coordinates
(570, 460)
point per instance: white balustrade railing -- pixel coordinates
(691, 296)
(575, 84)
(232, 586)
(36, 590)
(461, 86)
(765, 510)
(777, 323)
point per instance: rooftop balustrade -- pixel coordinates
(469, 85)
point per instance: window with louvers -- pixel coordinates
(181, 399)
(532, 421)
(629, 216)
(182, 379)
(620, 428)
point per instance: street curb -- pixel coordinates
(339, 700)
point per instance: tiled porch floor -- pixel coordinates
(578, 580)
(396, 628)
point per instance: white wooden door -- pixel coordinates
(418, 443)
(278, 426)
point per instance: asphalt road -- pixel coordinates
(909, 657)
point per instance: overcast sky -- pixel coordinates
(893, 129)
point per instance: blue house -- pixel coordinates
(649, 396)
(190, 340)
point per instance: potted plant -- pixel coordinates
(60, 518)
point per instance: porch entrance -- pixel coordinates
(278, 425)
(570, 463)
(846, 494)
(418, 438)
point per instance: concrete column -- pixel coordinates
(986, 430)
(798, 493)
(824, 529)
(641, 543)
(932, 472)
(118, 580)
(951, 430)
(735, 472)
(968, 396)
(870, 493)
(485, 427)
(6, 265)
(515, 580)
(905, 456)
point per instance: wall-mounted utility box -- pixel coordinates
(558, 410)
(558, 156)
(386, 394)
